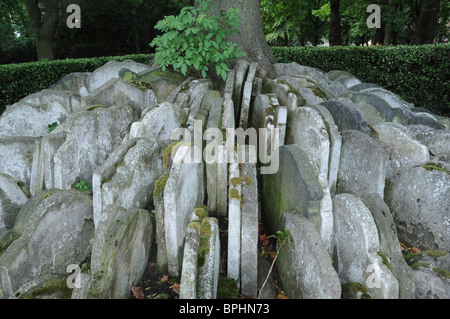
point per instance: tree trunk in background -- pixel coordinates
(335, 23)
(43, 26)
(251, 39)
(427, 22)
(389, 25)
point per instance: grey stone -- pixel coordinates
(159, 122)
(83, 143)
(356, 246)
(234, 224)
(24, 119)
(431, 269)
(335, 146)
(249, 232)
(294, 69)
(420, 201)
(365, 102)
(437, 141)
(427, 119)
(389, 244)
(241, 72)
(284, 93)
(59, 232)
(363, 165)
(345, 116)
(119, 92)
(83, 292)
(189, 271)
(129, 181)
(304, 265)
(16, 157)
(122, 245)
(183, 192)
(404, 151)
(293, 186)
(208, 272)
(70, 101)
(73, 83)
(269, 291)
(111, 70)
(12, 198)
(362, 86)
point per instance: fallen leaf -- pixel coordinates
(138, 292)
(415, 250)
(152, 265)
(281, 296)
(176, 287)
(164, 278)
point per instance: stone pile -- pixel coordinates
(349, 168)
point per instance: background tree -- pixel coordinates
(43, 17)
(335, 23)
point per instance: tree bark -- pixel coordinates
(335, 23)
(43, 26)
(251, 38)
(389, 25)
(427, 21)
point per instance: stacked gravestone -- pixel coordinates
(247, 95)
(183, 191)
(201, 258)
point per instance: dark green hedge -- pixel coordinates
(20, 80)
(419, 74)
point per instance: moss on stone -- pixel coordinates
(50, 287)
(351, 289)
(96, 107)
(416, 266)
(385, 259)
(204, 247)
(247, 180)
(319, 93)
(235, 181)
(430, 166)
(227, 288)
(234, 193)
(160, 184)
(201, 212)
(167, 153)
(441, 273)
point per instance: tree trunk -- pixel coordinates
(43, 26)
(335, 23)
(389, 25)
(427, 22)
(251, 39)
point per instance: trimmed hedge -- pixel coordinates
(20, 80)
(418, 74)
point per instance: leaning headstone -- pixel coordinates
(427, 119)
(366, 102)
(119, 92)
(284, 93)
(234, 224)
(241, 72)
(249, 232)
(247, 96)
(345, 116)
(189, 271)
(158, 201)
(209, 259)
(419, 198)
(159, 122)
(304, 265)
(122, 245)
(16, 157)
(335, 146)
(404, 151)
(363, 165)
(294, 185)
(50, 96)
(131, 179)
(59, 232)
(183, 192)
(307, 129)
(12, 198)
(437, 141)
(111, 70)
(356, 247)
(390, 245)
(83, 143)
(28, 120)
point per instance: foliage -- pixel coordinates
(282, 236)
(83, 186)
(20, 80)
(197, 39)
(52, 127)
(418, 74)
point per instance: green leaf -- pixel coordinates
(184, 69)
